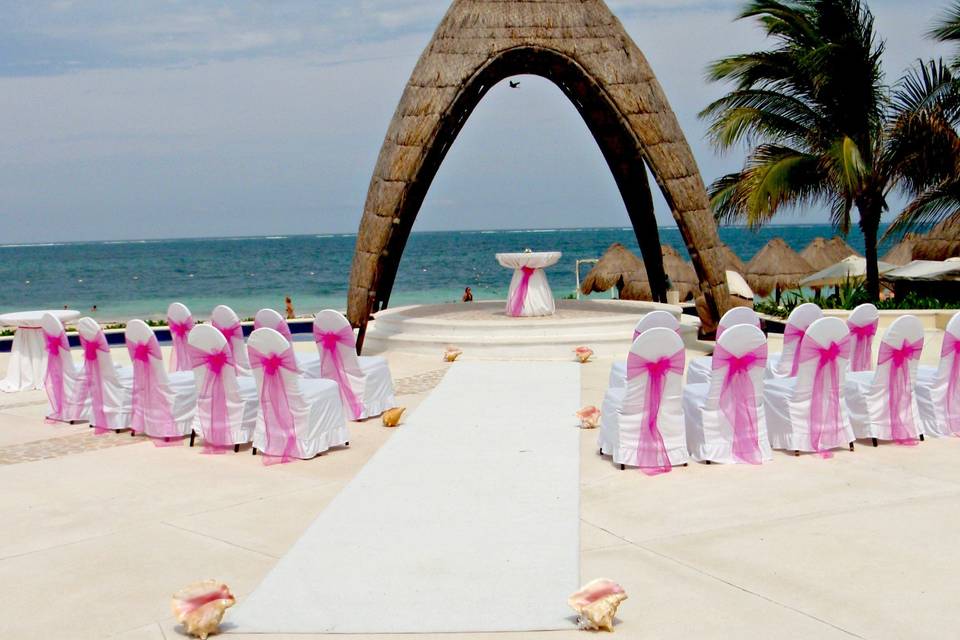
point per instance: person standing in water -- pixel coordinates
(467, 295)
(290, 314)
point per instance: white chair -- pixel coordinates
(365, 383)
(698, 370)
(227, 404)
(862, 323)
(938, 388)
(882, 404)
(654, 382)
(784, 364)
(299, 417)
(164, 407)
(308, 362)
(807, 413)
(227, 322)
(651, 320)
(62, 382)
(724, 417)
(108, 388)
(180, 322)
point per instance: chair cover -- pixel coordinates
(365, 383)
(227, 322)
(724, 418)
(785, 363)
(882, 404)
(298, 417)
(938, 388)
(665, 319)
(699, 368)
(227, 405)
(180, 321)
(642, 424)
(862, 323)
(807, 413)
(308, 362)
(62, 382)
(164, 407)
(109, 390)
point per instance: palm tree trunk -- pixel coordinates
(870, 211)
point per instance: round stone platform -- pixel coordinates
(483, 330)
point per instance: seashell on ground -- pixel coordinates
(583, 354)
(391, 417)
(200, 606)
(451, 354)
(589, 417)
(596, 603)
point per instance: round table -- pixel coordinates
(530, 293)
(28, 357)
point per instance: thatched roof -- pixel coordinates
(822, 253)
(902, 252)
(682, 276)
(731, 261)
(581, 46)
(616, 267)
(776, 266)
(942, 242)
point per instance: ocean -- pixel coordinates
(128, 279)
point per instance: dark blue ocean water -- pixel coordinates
(139, 279)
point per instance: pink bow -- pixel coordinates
(862, 345)
(278, 420)
(519, 296)
(652, 455)
(212, 400)
(951, 349)
(825, 417)
(900, 391)
(330, 342)
(180, 357)
(53, 379)
(738, 400)
(93, 380)
(150, 405)
(281, 327)
(793, 335)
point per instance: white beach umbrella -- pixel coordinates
(738, 286)
(852, 268)
(926, 270)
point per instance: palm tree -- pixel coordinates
(947, 28)
(823, 126)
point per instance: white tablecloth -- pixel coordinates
(539, 300)
(28, 357)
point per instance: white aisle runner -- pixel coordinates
(467, 519)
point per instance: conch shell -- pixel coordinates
(391, 417)
(589, 417)
(199, 607)
(451, 354)
(583, 354)
(596, 603)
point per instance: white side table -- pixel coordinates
(530, 293)
(28, 357)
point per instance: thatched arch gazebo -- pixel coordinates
(582, 48)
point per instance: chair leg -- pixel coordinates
(236, 448)
(921, 437)
(133, 434)
(347, 444)
(193, 437)
(254, 451)
(623, 467)
(851, 446)
(876, 443)
(708, 462)
(796, 454)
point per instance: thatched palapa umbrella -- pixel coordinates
(617, 266)
(941, 243)
(731, 261)
(682, 276)
(776, 267)
(902, 253)
(822, 253)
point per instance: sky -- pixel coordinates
(134, 119)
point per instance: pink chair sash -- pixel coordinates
(652, 455)
(900, 389)
(180, 359)
(93, 380)
(951, 347)
(826, 421)
(217, 438)
(53, 379)
(329, 342)
(278, 420)
(519, 296)
(282, 328)
(862, 351)
(231, 333)
(794, 335)
(738, 401)
(150, 405)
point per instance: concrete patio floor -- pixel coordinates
(96, 536)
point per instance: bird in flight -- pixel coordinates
(514, 85)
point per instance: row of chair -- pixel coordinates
(229, 390)
(820, 393)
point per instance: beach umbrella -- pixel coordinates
(614, 269)
(902, 252)
(731, 261)
(776, 267)
(822, 253)
(942, 242)
(850, 268)
(682, 276)
(737, 286)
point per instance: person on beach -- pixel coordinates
(467, 295)
(290, 314)
(93, 309)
